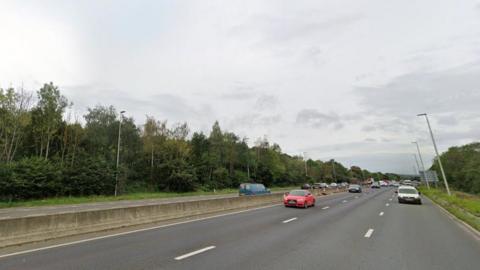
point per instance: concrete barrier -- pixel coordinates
(23, 230)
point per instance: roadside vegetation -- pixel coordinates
(462, 167)
(129, 196)
(463, 205)
(48, 151)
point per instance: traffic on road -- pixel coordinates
(360, 225)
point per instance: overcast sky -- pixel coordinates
(336, 79)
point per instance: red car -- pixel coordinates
(299, 198)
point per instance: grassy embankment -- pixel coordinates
(130, 196)
(462, 205)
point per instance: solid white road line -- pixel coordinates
(344, 201)
(369, 233)
(381, 214)
(387, 204)
(130, 232)
(194, 253)
(289, 220)
(356, 197)
(390, 199)
(326, 207)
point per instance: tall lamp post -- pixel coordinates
(436, 152)
(333, 171)
(304, 157)
(423, 165)
(118, 151)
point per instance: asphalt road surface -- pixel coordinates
(344, 231)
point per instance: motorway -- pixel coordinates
(344, 231)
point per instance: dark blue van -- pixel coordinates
(252, 189)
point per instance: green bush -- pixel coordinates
(34, 178)
(91, 176)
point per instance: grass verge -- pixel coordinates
(130, 196)
(464, 206)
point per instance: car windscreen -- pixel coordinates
(407, 191)
(298, 193)
(354, 186)
(258, 187)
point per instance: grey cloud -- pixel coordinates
(448, 120)
(372, 155)
(241, 91)
(394, 125)
(298, 25)
(266, 102)
(255, 119)
(316, 119)
(368, 128)
(162, 105)
(446, 137)
(386, 162)
(453, 90)
(386, 140)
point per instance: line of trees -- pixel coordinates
(462, 167)
(46, 151)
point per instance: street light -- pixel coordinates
(417, 169)
(436, 152)
(306, 173)
(421, 161)
(118, 151)
(333, 171)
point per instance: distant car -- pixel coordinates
(355, 188)
(299, 198)
(375, 185)
(408, 194)
(320, 185)
(344, 184)
(383, 184)
(252, 189)
(306, 186)
(333, 185)
(407, 182)
(396, 184)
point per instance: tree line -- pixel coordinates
(462, 167)
(46, 151)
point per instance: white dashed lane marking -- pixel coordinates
(369, 233)
(193, 253)
(289, 220)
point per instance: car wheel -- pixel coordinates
(420, 202)
(313, 204)
(400, 201)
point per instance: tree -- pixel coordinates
(45, 153)
(14, 118)
(47, 115)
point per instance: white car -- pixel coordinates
(408, 194)
(333, 185)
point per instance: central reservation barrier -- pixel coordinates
(17, 231)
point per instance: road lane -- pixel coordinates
(162, 244)
(333, 239)
(422, 237)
